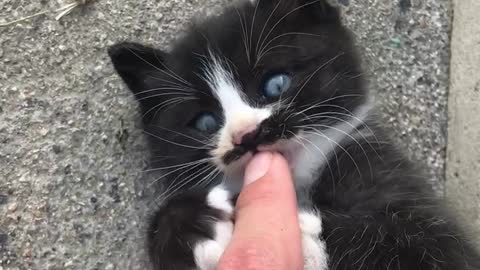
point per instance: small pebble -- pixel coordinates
(12, 207)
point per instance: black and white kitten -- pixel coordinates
(281, 75)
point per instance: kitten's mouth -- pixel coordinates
(283, 147)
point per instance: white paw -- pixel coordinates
(208, 253)
(314, 248)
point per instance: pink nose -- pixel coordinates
(239, 137)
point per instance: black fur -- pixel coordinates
(378, 212)
(172, 231)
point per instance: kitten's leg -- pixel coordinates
(207, 253)
(314, 248)
(191, 230)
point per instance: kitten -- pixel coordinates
(281, 75)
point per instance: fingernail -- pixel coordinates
(257, 167)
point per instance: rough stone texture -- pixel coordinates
(71, 155)
(463, 180)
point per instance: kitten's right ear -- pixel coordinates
(135, 63)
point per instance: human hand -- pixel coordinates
(267, 234)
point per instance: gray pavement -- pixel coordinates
(463, 185)
(72, 156)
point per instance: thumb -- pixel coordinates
(266, 230)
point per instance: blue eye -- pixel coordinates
(276, 85)
(206, 122)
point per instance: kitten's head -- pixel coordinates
(276, 75)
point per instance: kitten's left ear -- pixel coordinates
(135, 63)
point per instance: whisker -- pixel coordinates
(171, 83)
(350, 114)
(211, 176)
(276, 47)
(178, 165)
(166, 104)
(318, 105)
(192, 165)
(263, 29)
(175, 75)
(187, 180)
(175, 143)
(287, 34)
(327, 116)
(313, 74)
(321, 153)
(251, 31)
(186, 136)
(174, 184)
(351, 137)
(157, 68)
(164, 94)
(319, 133)
(285, 16)
(180, 90)
(244, 34)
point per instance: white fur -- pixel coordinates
(314, 249)
(219, 198)
(208, 253)
(238, 113)
(317, 149)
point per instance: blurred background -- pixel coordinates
(72, 156)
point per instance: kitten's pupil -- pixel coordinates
(276, 85)
(206, 122)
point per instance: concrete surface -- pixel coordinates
(463, 185)
(72, 156)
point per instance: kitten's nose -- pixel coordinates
(246, 136)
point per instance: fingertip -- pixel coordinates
(258, 167)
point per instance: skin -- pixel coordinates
(267, 233)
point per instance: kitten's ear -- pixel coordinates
(135, 64)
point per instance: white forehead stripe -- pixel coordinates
(238, 113)
(237, 110)
(224, 87)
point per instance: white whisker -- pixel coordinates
(325, 157)
(263, 29)
(313, 74)
(263, 48)
(319, 133)
(175, 143)
(285, 16)
(178, 186)
(186, 136)
(159, 69)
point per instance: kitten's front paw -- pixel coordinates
(191, 231)
(314, 248)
